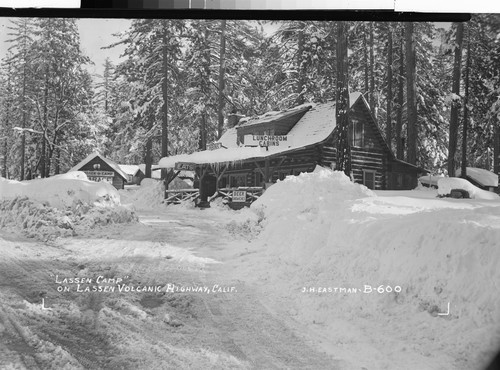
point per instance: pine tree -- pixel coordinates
(456, 100)
(411, 94)
(20, 34)
(342, 101)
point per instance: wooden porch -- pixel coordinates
(236, 198)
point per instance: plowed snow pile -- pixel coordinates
(150, 194)
(62, 205)
(322, 232)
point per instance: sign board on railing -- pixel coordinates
(268, 140)
(239, 196)
(184, 166)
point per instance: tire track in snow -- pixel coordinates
(15, 340)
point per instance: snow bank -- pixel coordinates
(150, 194)
(447, 184)
(39, 220)
(299, 207)
(62, 205)
(319, 233)
(62, 191)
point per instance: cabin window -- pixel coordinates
(357, 133)
(360, 135)
(369, 179)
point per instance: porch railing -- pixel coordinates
(243, 195)
(182, 195)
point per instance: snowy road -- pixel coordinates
(224, 322)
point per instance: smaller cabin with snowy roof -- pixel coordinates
(98, 168)
(261, 150)
(133, 172)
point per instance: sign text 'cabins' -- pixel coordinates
(267, 140)
(184, 166)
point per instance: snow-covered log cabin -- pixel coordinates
(260, 150)
(98, 168)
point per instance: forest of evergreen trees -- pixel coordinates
(179, 79)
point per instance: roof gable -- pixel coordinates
(109, 162)
(130, 169)
(365, 107)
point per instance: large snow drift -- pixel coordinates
(61, 191)
(322, 231)
(62, 205)
(150, 194)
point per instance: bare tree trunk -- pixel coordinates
(411, 94)
(372, 73)
(58, 161)
(388, 126)
(300, 67)
(222, 70)
(367, 69)
(203, 133)
(205, 88)
(164, 88)
(43, 155)
(399, 118)
(455, 105)
(466, 99)
(342, 103)
(4, 159)
(23, 137)
(148, 158)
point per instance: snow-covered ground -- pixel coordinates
(291, 283)
(62, 205)
(321, 232)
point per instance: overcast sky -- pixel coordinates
(94, 34)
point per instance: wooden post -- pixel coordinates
(266, 170)
(219, 176)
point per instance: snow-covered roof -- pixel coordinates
(430, 179)
(481, 176)
(314, 127)
(228, 138)
(129, 169)
(154, 174)
(272, 116)
(109, 162)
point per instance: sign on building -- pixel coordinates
(267, 140)
(184, 166)
(106, 176)
(239, 196)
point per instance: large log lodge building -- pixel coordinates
(260, 150)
